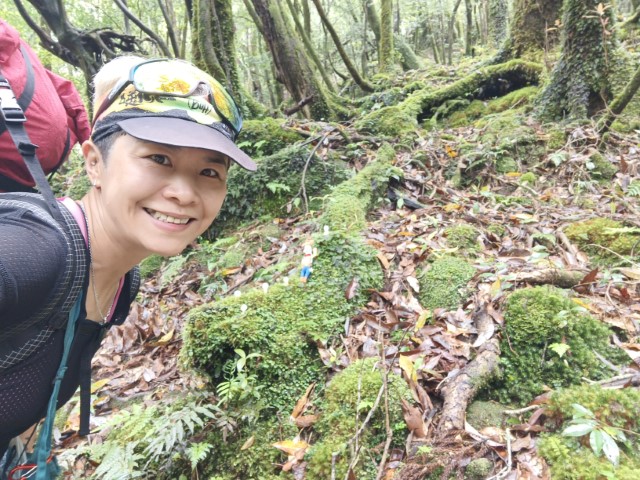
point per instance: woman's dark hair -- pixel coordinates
(104, 145)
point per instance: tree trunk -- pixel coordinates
(204, 52)
(498, 21)
(171, 30)
(580, 81)
(468, 42)
(129, 14)
(361, 82)
(452, 22)
(310, 48)
(385, 50)
(290, 61)
(528, 34)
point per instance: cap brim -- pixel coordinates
(183, 133)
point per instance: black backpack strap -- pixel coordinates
(13, 118)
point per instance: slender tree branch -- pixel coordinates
(129, 14)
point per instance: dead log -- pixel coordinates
(461, 390)
(558, 278)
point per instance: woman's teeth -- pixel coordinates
(168, 219)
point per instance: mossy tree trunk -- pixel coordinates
(214, 39)
(353, 71)
(528, 34)
(408, 58)
(580, 82)
(292, 64)
(385, 48)
(468, 38)
(301, 29)
(451, 32)
(498, 21)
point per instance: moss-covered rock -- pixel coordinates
(600, 168)
(350, 395)
(549, 342)
(349, 203)
(276, 183)
(478, 469)
(481, 414)
(442, 285)
(478, 108)
(572, 459)
(462, 236)
(393, 121)
(283, 324)
(604, 240)
(150, 265)
(265, 137)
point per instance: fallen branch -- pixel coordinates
(559, 278)
(297, 107)
(460, 391)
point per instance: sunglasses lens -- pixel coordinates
(183, 80)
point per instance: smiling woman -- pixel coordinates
(158, 158)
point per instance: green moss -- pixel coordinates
(283, 324)
(267, 192)
(528, 178)
(393, 121)
(478, 469)
(556, 137)
(569, 460)
(497, 229)
(443, 284)
(591, 235)
(359, 382)
(602, 169)
(481, 414)
(462, 236)
(618, 408)
(349, 203)
(150, 265)
(265, 137)
(228, 461)
(535, 320)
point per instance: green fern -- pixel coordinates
(198, 452)
(633, 190)
(118, 463)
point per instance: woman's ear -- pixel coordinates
(93, 162)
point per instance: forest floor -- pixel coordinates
(140, 358)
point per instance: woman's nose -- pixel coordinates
(181, 190)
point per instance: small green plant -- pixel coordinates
(633, 190)
(602, 437)
(239, 384)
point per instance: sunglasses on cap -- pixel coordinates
(177, 78)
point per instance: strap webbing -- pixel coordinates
(29, 87)
(13, 118)
(43, 447)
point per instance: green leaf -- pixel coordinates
(559, 348)
(579, 429)
(580, 411)
(596, 441)
(610, 448)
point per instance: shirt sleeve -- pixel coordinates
(32, 256)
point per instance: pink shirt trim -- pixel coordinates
(75, 210)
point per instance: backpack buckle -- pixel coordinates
(9, 108)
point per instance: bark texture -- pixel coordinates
(528, 33)
(580, 82)
(385, 49)
(292, 65)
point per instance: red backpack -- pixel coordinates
(56, 116)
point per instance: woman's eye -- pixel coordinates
(210, 172)
(160, 159)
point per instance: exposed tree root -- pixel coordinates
(459, 392)
(486, 82)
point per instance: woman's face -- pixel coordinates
(158, 198)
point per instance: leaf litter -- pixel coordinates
(140, 358)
